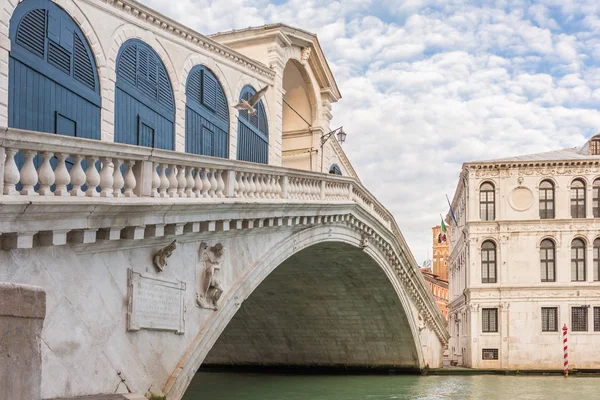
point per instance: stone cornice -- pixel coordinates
(533, 165)
(150, 16)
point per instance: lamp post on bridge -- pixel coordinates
(341, 137)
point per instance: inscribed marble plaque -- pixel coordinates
(155, 304)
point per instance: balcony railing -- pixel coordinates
(55, 165)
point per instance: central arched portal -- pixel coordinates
(298, 118)
(329, 305)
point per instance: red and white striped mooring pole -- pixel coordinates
(566, 350)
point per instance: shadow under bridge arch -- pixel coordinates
(328, 305)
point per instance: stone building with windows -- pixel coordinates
(525, 259)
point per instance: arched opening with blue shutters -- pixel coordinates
(206, 115)
(253, 131)
(144, 103)
(335, 169)
(53, 80)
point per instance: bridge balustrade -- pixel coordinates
(82, 168)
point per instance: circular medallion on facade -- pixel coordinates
(521, 198)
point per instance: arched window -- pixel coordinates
(335, 170)
(488, 262)
(596, 198)
(253, 131)
(487, 208)
(596, 271)
(547, 260)
(144, 104)
(546, 200)
(577, 199)
(206, 115)
(53, 81)
(577, 260)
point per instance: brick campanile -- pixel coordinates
(440, 252)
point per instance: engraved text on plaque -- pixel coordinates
(155, 304)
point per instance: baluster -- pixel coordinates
(291, 183)
(270, 187)
(61, 176)
(92, 177)
(253, 187)
(181, 181)
(172, 181)
(77, 176)
(198, 183)
(189, 183)
(220, 183)
(118, 181)
(302, 188)
(260, 189)
(205, 182)
(155, 180)
(106, 177)
(242, 183)
(236, 185)
(11, 173)
(130, 181)
(213, 183)
(45, 175)
(29, 176)
(278, 188)
(164, 181)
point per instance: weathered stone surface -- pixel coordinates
(22, 311)
(155, 304)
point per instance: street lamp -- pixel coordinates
(341, 137)
(339, 132)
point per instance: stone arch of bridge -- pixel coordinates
(356, 288)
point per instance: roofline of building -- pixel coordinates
(308, 38)
(172, 27)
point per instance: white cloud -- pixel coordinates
(430, 84)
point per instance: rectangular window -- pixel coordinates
(489, 320)
(596, 319)
(549, 319)
(579, 317)
(489, 354)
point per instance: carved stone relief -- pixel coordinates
(209, 285)
(160, 258)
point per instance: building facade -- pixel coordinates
(439, 289)
(524, 261)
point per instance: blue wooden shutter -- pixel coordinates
(253, 132)
(143, 91)
(207, 115)
(209, 91)
(83, 69)
(145, 133)
(31, 33)
(126, 69)
(207, 141)
(53, 82)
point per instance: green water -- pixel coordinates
(233, 386)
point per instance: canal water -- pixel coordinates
(248, 386)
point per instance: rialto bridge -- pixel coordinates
(145, 237)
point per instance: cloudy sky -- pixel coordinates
(430, 84)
